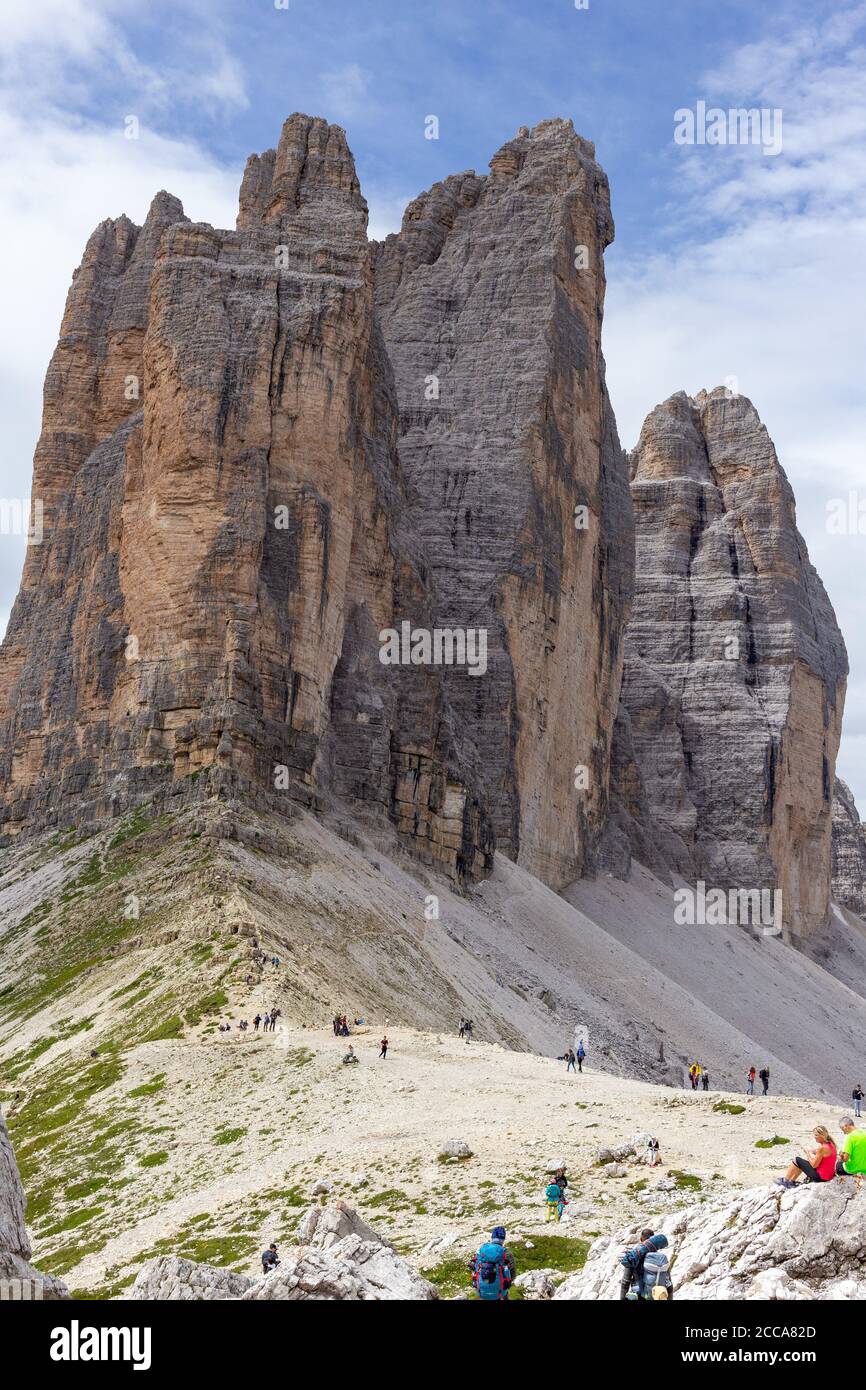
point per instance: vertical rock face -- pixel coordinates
(14, 1243)
(735, 667)
(217, 564)
(491, 301)
(849, 851)
(243, 490)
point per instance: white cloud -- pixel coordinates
(61, 173)
(345, 91)
(766, 283)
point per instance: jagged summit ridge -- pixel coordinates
(189, 633)
(735, 670)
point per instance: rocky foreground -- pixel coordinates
(765, 1243)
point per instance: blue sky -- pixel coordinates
(727, 263)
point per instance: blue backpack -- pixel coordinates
(491, 1272)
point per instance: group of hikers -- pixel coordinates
(699, 1076)
(554, 1195)
(763, 1076)
(341, 1026)
(827, 1160)
(465, 1030)
(268, 1023)
(574, 1060)
(645, 1268)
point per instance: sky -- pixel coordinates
(730, 265)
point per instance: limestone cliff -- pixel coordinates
(491, 299)
(849, 851)
(18, 1279)
(235, 510)
(735, 667)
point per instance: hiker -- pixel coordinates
(468, 1030)
(852, 1152)
(256, 1021)
(705, 1080)
(570, 1060)
(493, 1269)
(275, 1014)
(581, 1053)
(820, 1166)
(560, 1178)
(646, 1272)
(270, 1259)
(555, 1199)
(750, 1082)
(462, 1027)
(336, 1022)
(652, 1151)
(350, 1057)
(764, 1074)
(267, 1022)
(857, 1097)
(384, 1046)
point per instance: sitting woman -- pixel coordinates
(820, 1166)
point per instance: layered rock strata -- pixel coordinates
(849, 851)
(18, 1279)
(239, 502)
(735, 670)
(491, 300)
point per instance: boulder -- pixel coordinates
(765, 1243)
(322, 1227)
(170, 1278)
(536, 1283)
(352, 1269)
(455, 1148)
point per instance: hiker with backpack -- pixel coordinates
(764, 1074)
(270, 1259)
(857, 1097)
(581, 1053)
(555, 1198)
(646, 1271)
(570, 1060)
(493, 1269)
(705, 1080)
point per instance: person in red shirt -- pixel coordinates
(820, 1166)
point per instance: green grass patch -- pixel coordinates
(565, 1254)
(727, 1107)
(229, 1136)
(149, 1088)
(154, 1160)
(771, 1143)
(686, 1181)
